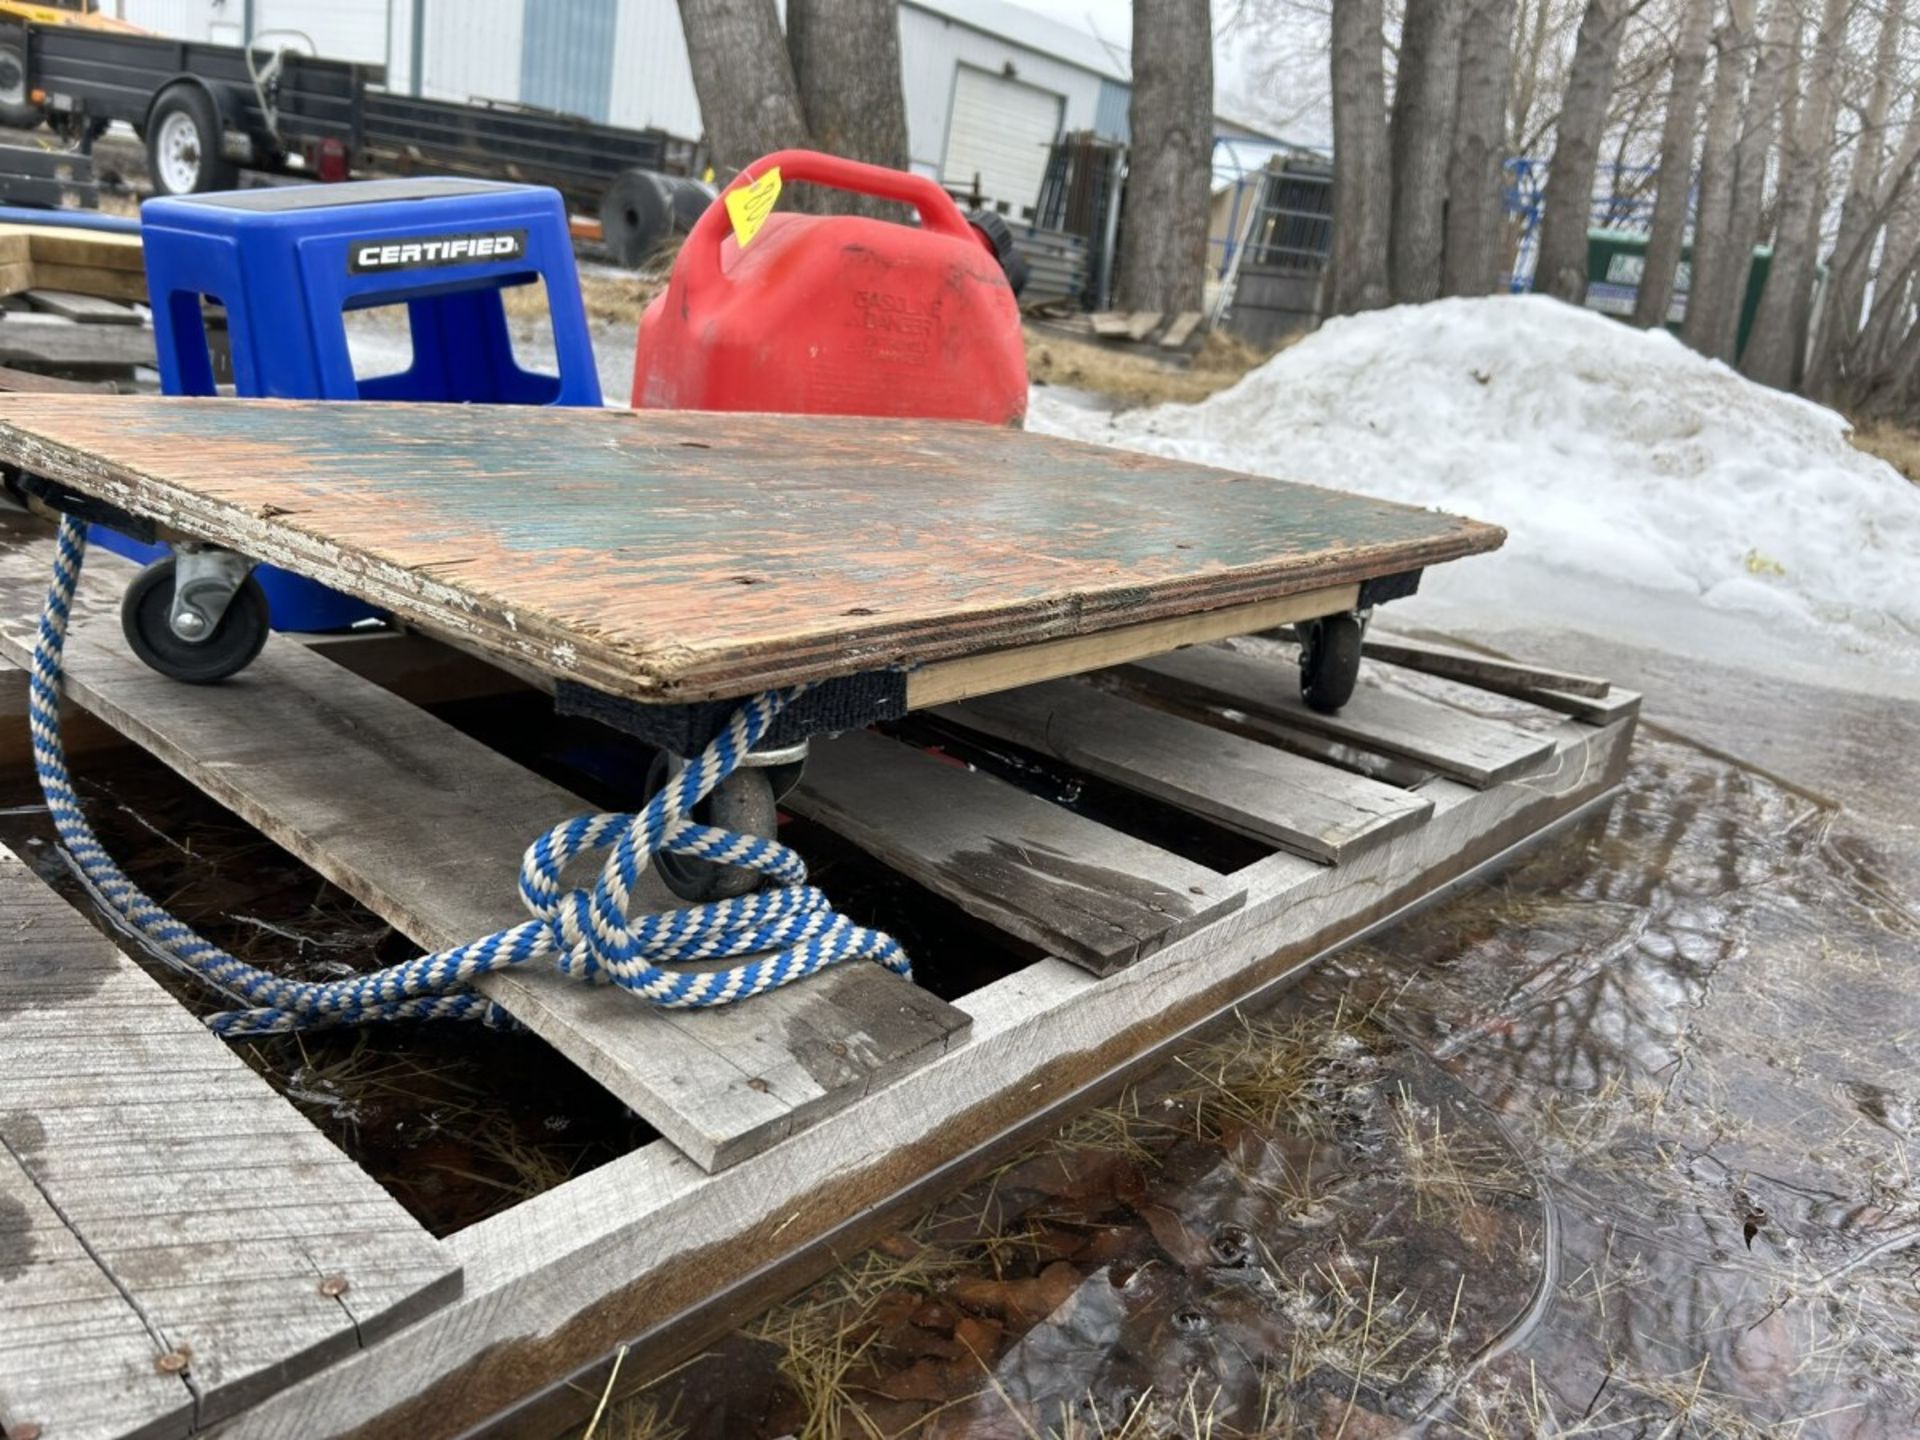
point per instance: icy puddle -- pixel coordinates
(1619, 1144)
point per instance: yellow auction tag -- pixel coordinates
(749, 206)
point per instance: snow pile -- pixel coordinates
(1605, 450)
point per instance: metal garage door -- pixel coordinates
(1000, 130)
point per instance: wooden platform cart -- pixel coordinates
(169, 1220)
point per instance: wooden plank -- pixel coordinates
(1073, 887)
(16, 276)
(426, 828)
(638, 1246)
(211, 1207)
(1618, 705)
(1480, 752)
(1142, 323)
(71, 245)
(87, 309)
(110, 282)
(28, 381)
(666, 556)
(51, 340)
(945, 681)
(1109, 323)
(1489, 673)
(75, 1356)
(1183, 326)
(1287, 800)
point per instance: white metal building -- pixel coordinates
(988, 85)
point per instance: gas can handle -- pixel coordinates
(937, 210)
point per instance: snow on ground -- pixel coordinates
(1647, 491)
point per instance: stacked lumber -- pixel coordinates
(68, 301)
(100, 263)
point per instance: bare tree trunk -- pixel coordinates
(1861, 214)
(1667, 232)
(1163, 250)
(749, 102)
(1423, 102)
(1774, 351)
(1362, 177)
(1562, 268)
(1727, 283)
(1474, 171)
(846, 63)
(1893, 296)
(1713, 246)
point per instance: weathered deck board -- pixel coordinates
(75, 1356)
(426, 827)
(1297, 803)
(1503, 677)
(86, 309)
(1067, 884)
(1480, 752)
(684, 556)
(176, 1192)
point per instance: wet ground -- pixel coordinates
(1619, 1144)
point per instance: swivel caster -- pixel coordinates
(1329, 661)
(198, 615)
(747, 801)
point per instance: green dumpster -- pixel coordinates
(1616, 259)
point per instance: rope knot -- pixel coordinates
(591, 933)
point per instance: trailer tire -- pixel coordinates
(16, 110)
(184, 144)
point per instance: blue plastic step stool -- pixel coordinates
(288, 262)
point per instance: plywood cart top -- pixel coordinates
(677, 557)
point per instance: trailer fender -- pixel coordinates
(229, 103)
(196, 133)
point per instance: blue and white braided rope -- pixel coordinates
(789, 928)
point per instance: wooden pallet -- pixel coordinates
(875, 1090)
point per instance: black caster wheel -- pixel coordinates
(745, 801)
(1329, 661)
(145, 618)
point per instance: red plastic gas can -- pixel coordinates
(837, 315)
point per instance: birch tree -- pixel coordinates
(1424, 93)
(1362, 176)
(1666, 233)
(1163, 249)
(1562, 267)
(1475, 213)
(1774, 350)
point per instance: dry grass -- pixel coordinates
(611, 297)
(1450, 1172)
(1275, 1074)
(1133, 378)
(1898, 445)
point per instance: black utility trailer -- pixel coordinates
(207, 112)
